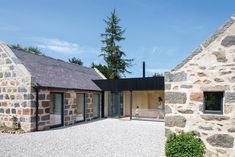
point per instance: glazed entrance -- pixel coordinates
(137, 104)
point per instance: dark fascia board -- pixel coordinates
(131, 84)
(61, 88)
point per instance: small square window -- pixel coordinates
(213, 102)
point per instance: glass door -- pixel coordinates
(80, 108)
(56, 109)
(96, 106)
(117, 104)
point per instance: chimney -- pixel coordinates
(143, 69)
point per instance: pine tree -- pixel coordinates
(111, 52)
(103, 69)
(76, 61)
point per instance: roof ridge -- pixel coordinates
(50, 72)
(233, 16)
(45, 56)
(207, 42)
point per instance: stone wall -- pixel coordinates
(18, 96)
(69, 106)
(210, 68)
(15, 91)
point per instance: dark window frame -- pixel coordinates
(62, 110)
(84, 107)
(99, 105)
(213, 111)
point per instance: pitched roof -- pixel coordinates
(212, 38)
(50, 72)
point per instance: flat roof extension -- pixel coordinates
(131, 84)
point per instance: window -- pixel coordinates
(96, 106)
(80, 107)
(56, 109)
(213, 102)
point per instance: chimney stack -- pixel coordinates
(143, 69)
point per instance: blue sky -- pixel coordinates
(160, 32)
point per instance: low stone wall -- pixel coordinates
(211, 69)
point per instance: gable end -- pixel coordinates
(206, 43)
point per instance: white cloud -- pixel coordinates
(148, 53)
(64, 47)
(157, 70)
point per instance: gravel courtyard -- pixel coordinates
(108, 137)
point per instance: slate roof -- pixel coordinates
(50, 72)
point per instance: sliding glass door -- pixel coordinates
(115, 104)
(80, 107)
(56, 109)
(96, 105)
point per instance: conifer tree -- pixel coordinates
(111, 51)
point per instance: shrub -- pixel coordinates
(184, 145)
(15, 123)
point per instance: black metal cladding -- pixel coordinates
(147, 83)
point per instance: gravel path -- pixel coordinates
(108, 137)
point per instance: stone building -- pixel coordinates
(200, 93)
(42, 92)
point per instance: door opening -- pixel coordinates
(117, 104)
(56, 110)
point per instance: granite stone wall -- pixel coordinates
(210, 68)
(16, 99)
(69, 106)
(18, 96)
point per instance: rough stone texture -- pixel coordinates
(18, 97)
(197, 82)
(185, 111)
(205, 127)
(186, 86)
(228, 109)
(210, 69)
(218, 80)
(220, 56)
(228, 41)
(226, 72)
(209, 153)
(168, 109)
(206, 81)
(231, 130)
(168, 132)
(167, 86)
(178, 121)
(230, 97)
(197, 133)
(215, 117)
(195, 52)
(218, 32)
(175, 97)
(215, 88)
(232, 80)
(15, 89)
(176, 77)
(221, 140)
(201, 74)
(196, 96)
